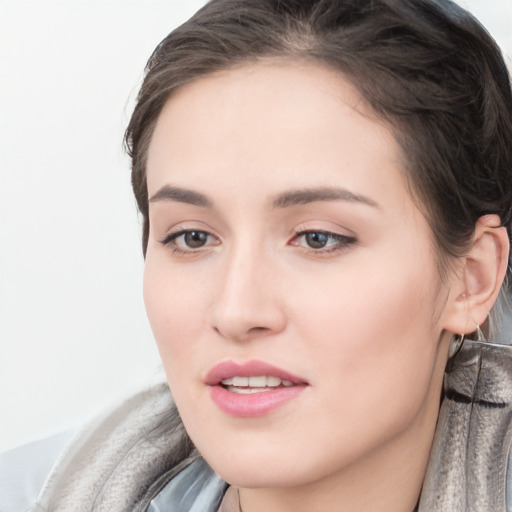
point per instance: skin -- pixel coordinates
(364, 319)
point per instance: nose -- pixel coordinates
(247, 304)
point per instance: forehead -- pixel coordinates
(273, 123)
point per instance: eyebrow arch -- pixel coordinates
(305, 196)
(181, 195)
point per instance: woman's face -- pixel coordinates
(290, 280)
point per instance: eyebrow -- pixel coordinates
(284, 200)
(181, 195)
(305, 196)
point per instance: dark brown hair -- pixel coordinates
(427, 67)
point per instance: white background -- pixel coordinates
(73, 332)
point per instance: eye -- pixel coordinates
(316, 239)
(189, 240)
(194, 239)
(322, 241)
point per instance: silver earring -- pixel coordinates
(456, 345)
(480, 336)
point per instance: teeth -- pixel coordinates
(257, 383)
(273, 381)
(247, 391)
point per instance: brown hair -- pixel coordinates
(425, 66)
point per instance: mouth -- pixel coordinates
(251, 389)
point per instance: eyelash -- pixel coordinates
(341, 242)
(170, 240)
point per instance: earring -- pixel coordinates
(480, 336)
(456, 345)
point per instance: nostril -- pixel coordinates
(258, 329)
(241, 334)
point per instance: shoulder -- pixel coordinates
(24, 469)
(197, 488)
(121, 460)
(470, 462)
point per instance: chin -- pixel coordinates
(264, 468)
(258, 477)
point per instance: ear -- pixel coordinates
(476, 285)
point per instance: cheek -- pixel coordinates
(176, 310)
(368, 304)
(372, 336)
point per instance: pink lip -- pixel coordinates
(256, 404)
(252, 368)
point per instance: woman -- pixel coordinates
(326, 194)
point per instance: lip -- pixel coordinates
(256, 404)
(251, 368)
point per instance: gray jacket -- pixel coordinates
(138, 457)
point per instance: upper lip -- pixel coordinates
(253, 368)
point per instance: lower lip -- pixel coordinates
(255, 404)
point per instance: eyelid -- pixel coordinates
(331, 234)
(169, 237)
(174, 233)
(344, 241)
